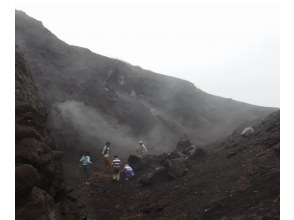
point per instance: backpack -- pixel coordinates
(105, 152)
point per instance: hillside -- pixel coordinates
(238, 180)
(91, 98)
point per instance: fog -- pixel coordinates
(227, 48)
(94, 130)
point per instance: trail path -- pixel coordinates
(104, 198)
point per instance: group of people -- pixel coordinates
(111, 166)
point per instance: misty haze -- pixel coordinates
(104, 138)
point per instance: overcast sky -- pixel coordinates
(226, 48)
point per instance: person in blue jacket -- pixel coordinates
(86, 162)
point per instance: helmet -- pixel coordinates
(107, 143)
(140, 142)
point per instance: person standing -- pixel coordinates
(106, 157)
(141, 149)
(86, 162)
(116, 168)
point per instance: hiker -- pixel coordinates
(116, 168)
(106, 158)
(85, 160)
(129, 173)
(141, 149)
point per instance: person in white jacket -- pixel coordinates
(141, 149)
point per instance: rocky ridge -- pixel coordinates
(40, 191)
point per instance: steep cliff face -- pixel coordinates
(40, 192)
(91, 98)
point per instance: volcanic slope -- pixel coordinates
(91, 98)
(238, 179)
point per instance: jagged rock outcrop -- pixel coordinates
(40, 192)
(177, 167)
(38, 204)
(155, 169)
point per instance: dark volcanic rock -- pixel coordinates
(165, 167)
(37, 205)
(156, 176)
(135, 161)
(185, 147)
(175, 154)
(146, 179)
(197, 154)
(26, 177)
(152, 161)
(177, 167)
(156, 207)
(39, 176)
(25, 132)
(36, 152)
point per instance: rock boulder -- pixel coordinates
(26, 177)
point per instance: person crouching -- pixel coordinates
(129, 173)
(116, 168)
